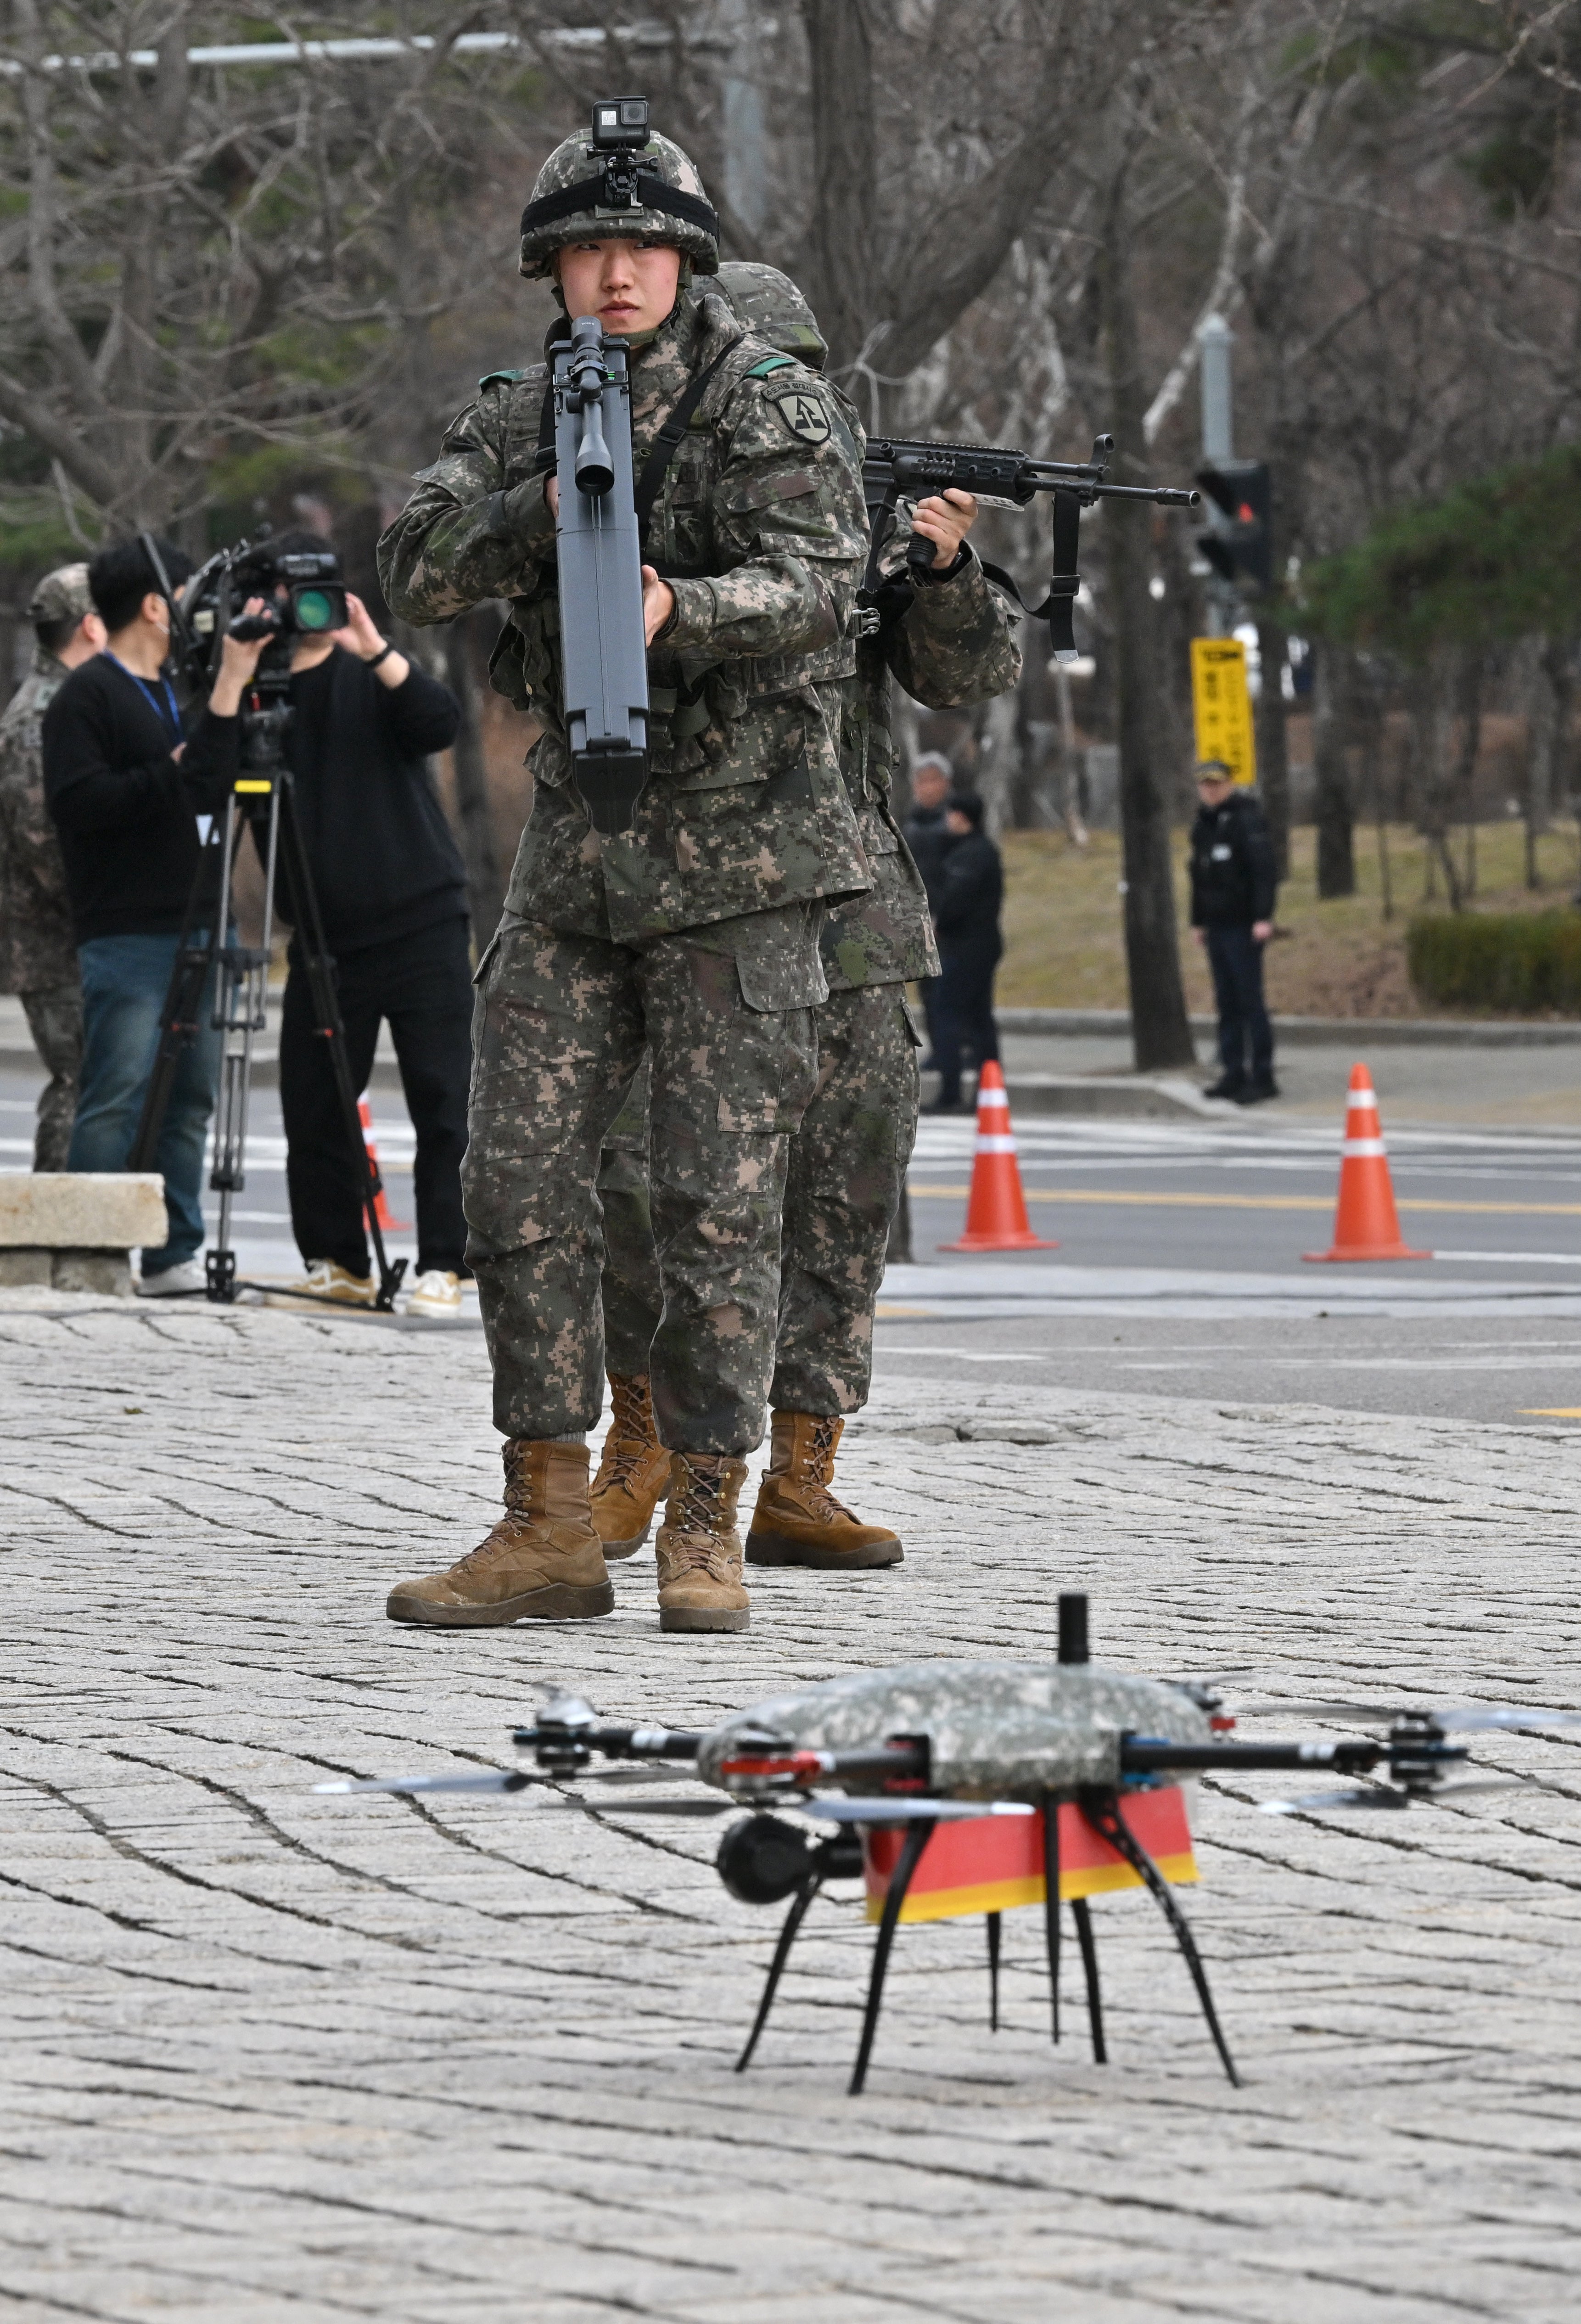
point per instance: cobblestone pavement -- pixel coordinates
(273, 2056)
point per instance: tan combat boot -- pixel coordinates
(700, 1585)
(634, 1471)
(543, 1561)
(797, 1520)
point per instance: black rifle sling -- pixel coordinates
(1063, 582)
(667, 442)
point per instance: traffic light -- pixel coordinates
(1240, 548)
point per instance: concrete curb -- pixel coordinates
(1342, 1032)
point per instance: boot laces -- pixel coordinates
(825, 1504)
(629, 1441)
(700, 1508)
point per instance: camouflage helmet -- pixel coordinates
(618, 180)
(769, 303)
(62, 595)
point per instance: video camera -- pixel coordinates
(206, 611)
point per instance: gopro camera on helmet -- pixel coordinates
(619, 124)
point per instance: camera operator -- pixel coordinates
(392, 895)
(126, 787)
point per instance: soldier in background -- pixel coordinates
(694, 935)
(948, 638)
(38, 951)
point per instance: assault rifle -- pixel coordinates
(897, 468)
(604, 643)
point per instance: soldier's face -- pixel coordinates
(629, 286)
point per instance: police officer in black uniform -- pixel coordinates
(1233, 884)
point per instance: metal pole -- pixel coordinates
(1215, 346)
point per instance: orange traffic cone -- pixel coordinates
(387, 1224)
(995, 1214)
(1366, 1224)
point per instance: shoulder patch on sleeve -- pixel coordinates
(804, 414)
(500, 378)
(769, 362)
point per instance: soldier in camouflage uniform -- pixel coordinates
(949, 638)
(694, 935)
(38, 951)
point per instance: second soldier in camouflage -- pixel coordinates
(949, 638)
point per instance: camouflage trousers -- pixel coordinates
(54, 1018)
(725, 1016)
(848, 1164)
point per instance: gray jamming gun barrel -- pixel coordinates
(602, 643)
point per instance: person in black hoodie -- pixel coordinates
(967, 900)
(128, 783)
(393, 892)
(1234, 882)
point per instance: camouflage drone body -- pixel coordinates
(994, 1729)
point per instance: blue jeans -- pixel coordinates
(124, 979)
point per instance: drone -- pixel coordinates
(963, 1788)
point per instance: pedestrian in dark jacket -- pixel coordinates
(966, 913)
(1233, 886)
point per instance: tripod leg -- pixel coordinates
(787, 1937)
(916, 1838)
(1102, 1811)
(993, 1920)
(1051, 1909)
(1081, 1914)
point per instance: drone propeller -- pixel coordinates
(500, 1779)
(908, 1811)
(1468, 1718)
(1389, 1795)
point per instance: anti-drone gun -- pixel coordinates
(603, 642)
(897, 468)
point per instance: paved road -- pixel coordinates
(278, 2058)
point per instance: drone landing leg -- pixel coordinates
(1083, 1915)
(1051, 1910)
(1102, 1811)
(787, 1937)
(993, 1921)
(916, 1838)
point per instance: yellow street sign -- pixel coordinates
(1221, 706)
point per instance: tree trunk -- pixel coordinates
(1335, 807)
(1161, 1032)
(1273, 743)
(845, 175)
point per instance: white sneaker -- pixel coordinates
(435, 1293)
(174, 1282)
(326, 1281)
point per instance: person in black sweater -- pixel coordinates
(128, 788)
(392, 891)
(1234, 882)
(967, 900)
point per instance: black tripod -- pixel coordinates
(262, 797)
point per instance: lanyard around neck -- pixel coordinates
(150, 697)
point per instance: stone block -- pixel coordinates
(78, 1210)
(101, 1272)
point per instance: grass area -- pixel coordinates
(1064, 949)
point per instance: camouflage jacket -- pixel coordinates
(760, 531)
(37, 947)
(954, 643)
